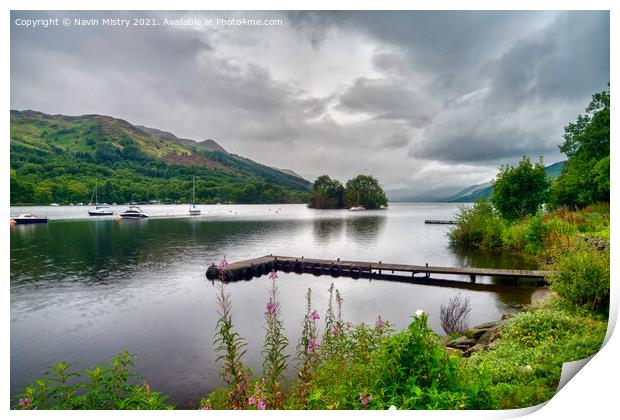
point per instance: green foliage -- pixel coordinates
(369, 369)
(56, 159)
(107, 387)
(477, 226)
(364, 190)
(230, 348)
(275, 361)
(326, 193)
(585, 177)
(525, 364)
(520, 191)
(582, 276)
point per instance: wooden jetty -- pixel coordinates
(257, 267)
(439, 222)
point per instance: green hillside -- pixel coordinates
(56, 158)
(474, 192)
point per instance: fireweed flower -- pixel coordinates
(261, 404)
(25, 403)
(271, 309)
(379, 323)
(365, 398)
(313, 344)
(251, 401)
(336, 330)
(314, 315)
(223, 263)
(273, 275)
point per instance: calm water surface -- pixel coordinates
(83, 290)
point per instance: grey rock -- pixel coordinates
(461, 342)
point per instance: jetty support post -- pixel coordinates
(428, 275)
(472, 278)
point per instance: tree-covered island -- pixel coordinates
(363, 190)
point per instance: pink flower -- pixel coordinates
(379, 323)
(313, 344)
(251, 401)
(365, 398)
(223, 263)
(271, 309)
(335, 330)
(273, 275)
(314, 315)
(261, 404)
(25, 403)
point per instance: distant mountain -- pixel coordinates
(474, 192)
(210, 145)
(56, 158)
(290, 172)
(405, 195)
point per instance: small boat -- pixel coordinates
(54, 204)
(358, 207)
(193, 210)
(27, 219)
(100, 209)
(133, 212)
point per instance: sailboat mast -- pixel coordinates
(193, 189)
(96, 200)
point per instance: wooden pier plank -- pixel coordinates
(370, 268)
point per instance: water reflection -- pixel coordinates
(326, 230)
(365, 228)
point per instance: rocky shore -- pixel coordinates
(477, 338)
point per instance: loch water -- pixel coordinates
(84, 289)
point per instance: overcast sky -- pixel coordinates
(426, 101)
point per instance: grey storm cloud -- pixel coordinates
(419, 98)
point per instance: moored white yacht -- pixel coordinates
(100, 209)
(193, 210)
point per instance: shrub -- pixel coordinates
(582, 278)
(535, 234)
(525, 364)
(514, 236)
(415, 372)
(532, 328)
(477, 226)
(107, 388)
(454, 314)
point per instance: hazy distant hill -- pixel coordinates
(57, 158)
(474, 192)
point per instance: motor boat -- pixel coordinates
(27, 219)
(133, 212)
(357, 208)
